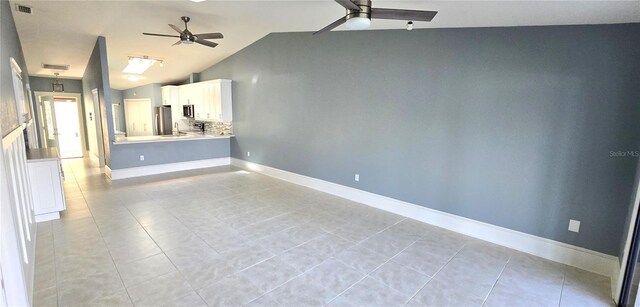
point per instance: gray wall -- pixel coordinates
(43, 84)
(116, 98)
(508, 126)
(96, 75)
(9, 47)
(152, 91)
(128, 155)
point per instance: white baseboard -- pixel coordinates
(47, 217)
(107, 171)
(549, 249)
(615, 277)
(132, 172)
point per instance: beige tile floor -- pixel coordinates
(227, 237)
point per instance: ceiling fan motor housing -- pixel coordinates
(365, 9)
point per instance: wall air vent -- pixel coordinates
(24, 9)
(55, 67)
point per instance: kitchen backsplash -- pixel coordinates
(214, 127)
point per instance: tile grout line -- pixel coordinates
(105, 243)
(564, 277)
(163, 252)
(304, 272)
(379, 266)
(497, 279)
(53, 238)
(436, 273)
(262, 261)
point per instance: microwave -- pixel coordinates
(188, 111)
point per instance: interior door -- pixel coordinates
(49, 121)
(68, 129)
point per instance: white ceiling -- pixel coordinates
(64, 32)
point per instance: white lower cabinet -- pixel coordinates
(47, 192)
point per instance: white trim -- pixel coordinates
(79, 105)
(616, 281)
(549, 249)
(47, 216)
(617, 287)
(8, 139)
(107, 171)
(117, 174)
(97, 120)
(16, 67)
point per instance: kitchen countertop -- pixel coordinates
(190, 136)
(42, 154)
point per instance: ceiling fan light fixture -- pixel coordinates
(138, 65)
(358, 23)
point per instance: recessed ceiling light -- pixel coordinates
(133, 78)
(196, 1)
(138, 65)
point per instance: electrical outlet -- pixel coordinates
(248, 154)
(357, 178)
(141, 158)
(574, 225)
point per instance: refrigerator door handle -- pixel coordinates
(157, 126)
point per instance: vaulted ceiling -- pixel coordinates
(64, 32)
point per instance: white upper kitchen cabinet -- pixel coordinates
(226, 111)
(211, 100)
(191, 94)
(171, 96)
(207, 110)
(217, 96)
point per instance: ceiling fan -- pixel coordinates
(186, 37)
(360, 13)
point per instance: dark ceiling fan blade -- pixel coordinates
(348, 4)
(209, 35)
(164, 35)
(206, 43)
(409, 15)
(175, 28)
(332, 25)
(177, 43)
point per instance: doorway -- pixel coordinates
(61, 124)
(67, 121)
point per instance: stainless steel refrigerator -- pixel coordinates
(163, 120)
